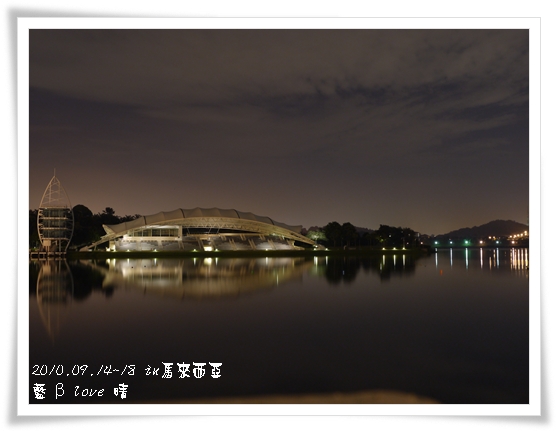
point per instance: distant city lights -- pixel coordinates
(514, 239)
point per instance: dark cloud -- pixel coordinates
(307, 126)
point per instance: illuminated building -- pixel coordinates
(201, 229)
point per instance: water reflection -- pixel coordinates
(58, 284)
(54, 291)
(519, 259)
(345, 269)
(514, 259)
(386, 321)
(203, 278)
(199, 277)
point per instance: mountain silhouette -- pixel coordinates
(498, 228)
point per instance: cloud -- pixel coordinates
(150, 66)
(288, 106)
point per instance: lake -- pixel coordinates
(451, 327)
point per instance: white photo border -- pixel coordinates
(26, 409)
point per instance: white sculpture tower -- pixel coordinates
(55, 219)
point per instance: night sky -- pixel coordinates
(427, 129)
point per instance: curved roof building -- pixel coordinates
(202, 229)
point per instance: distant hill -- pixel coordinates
(494, 228)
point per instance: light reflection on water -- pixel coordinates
(436, 325)
(198, 278)
(515, 259)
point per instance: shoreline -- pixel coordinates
(76, 255)
(99, 254)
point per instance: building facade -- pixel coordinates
(202, 229)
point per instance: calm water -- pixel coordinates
(452, 326)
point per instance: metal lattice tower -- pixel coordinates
(55, 219)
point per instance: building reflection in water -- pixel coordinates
(54, 292)
(200, 277)
(59, 284)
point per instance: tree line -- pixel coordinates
(346, 235)
(87, 226)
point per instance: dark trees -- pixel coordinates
(87, 228)
(341, 235)
(333, 232)
(350, 236)
(389, 236)
(108, 216)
